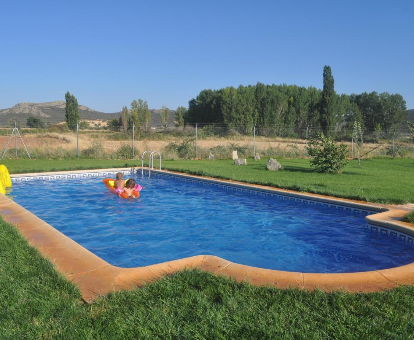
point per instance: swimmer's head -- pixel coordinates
(130, 183)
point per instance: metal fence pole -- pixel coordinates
(133, 137)
(254, 141)
(196, 141)
(77, 137)
(352, 147)
(393, 144)
(307, 131)
(15, 138)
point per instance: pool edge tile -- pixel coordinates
(403, 275)
(170, 267)
(262, 277)
(108, 279)
(371, 281)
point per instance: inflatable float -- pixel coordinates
(5, 180)
(110, 184)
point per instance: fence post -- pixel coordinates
(393, 144)
(307, 131)
(196, 141)
(15, 138)
(77, 137)
(133, 137)
(352, 147)
(254, 141)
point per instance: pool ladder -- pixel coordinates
(150, 161)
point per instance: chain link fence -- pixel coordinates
(274, 140)
(201, 141)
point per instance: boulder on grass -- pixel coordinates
(211, 157)
(240, 161)
(273, 165)
(256, 157)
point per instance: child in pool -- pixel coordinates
(130, 187)
(119, 183)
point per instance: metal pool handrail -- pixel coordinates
(150, 161)
(152, 158)
(142, 161)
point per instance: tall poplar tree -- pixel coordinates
(134, 114)
(71, 111)
(124, 119)
(180, 113)
(144, 114)
(164, 115)
(327, 110)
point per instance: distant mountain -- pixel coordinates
(51, 112)
(54, 112)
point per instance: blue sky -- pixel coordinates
(108, 53)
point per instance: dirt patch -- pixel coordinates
(31, 142)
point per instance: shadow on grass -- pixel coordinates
(290, 168)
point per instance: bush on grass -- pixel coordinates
(184, 150)
(96, 151)
(409, 217)
(58, 128)
(125, 152)
(326, 156)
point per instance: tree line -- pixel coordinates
(295, 107)
(139, 116)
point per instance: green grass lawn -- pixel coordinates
(377, 180)
(38, 303)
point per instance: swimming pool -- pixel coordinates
(177, 217)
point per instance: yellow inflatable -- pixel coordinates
(5, 180)
(2, 185)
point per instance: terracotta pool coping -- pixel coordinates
(95, 277)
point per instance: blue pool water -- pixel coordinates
(175, 218)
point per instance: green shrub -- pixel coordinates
(58, 128)
(11, 153)
(35, 122)
(409, 217)
(185, 149)
(241, 150)
(220, 152)
(225, 152)
(325, 155)
(125, 152)
(398, 150)
(95, 151)
(83, 125)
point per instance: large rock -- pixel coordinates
(256, 157)
(273, 165)
(240, 161)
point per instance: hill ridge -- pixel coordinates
(54, 112)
